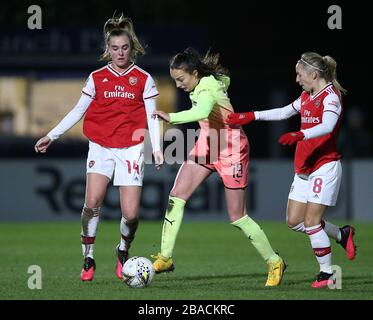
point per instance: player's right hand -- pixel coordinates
(158, 159)
(239, 119)
(161, 114)
(42, 144)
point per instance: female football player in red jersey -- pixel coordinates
(118, 101)
(317, 164)
(219, 148)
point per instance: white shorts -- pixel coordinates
(321, 186)
(125, 164)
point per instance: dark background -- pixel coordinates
(259, 42)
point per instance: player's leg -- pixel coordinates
(99, 171)
(323, 188)
(320, 243)
(342, 235)
(128, 175)
(95, 193)
(130, 204)
(295, 214)
(189, 177)
(295, 220)
(322, 192)
(346, 240)
(297, 204)
(236, 205)
(233, 169)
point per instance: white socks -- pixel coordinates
(127, 230)
(89, 220)
(321, 247)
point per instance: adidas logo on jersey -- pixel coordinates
(105, 80)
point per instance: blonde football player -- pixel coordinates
(317, 164)
(117, 101)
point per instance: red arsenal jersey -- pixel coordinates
(116, 118)
(311, 154)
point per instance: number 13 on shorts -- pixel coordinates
(237, 170)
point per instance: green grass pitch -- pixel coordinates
(213, 260)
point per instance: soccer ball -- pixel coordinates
(138, 272)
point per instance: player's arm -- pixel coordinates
(331, 114)
(154, 131)
(201, 110)
(274, 114)
(153, 124)
(71, 118)
(65, 124)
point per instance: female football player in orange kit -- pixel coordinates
(219, 148)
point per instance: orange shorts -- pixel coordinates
(227, 154)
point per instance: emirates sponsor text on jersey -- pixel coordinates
(119, 93)
(310, 120)
(307, 119)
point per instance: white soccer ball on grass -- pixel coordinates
(138, 272)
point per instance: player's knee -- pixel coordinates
(130, 210)
(311, 221)
(295, 225)
(92, 202)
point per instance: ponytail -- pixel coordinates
(326, 67)
(117, 27)
(190, 60)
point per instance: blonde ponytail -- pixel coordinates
(117, 27)
(331, 73)
(326, 67)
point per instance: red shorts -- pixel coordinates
(227, 154)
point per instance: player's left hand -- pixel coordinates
(158, 159)
(291, 138)
(161, 114)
